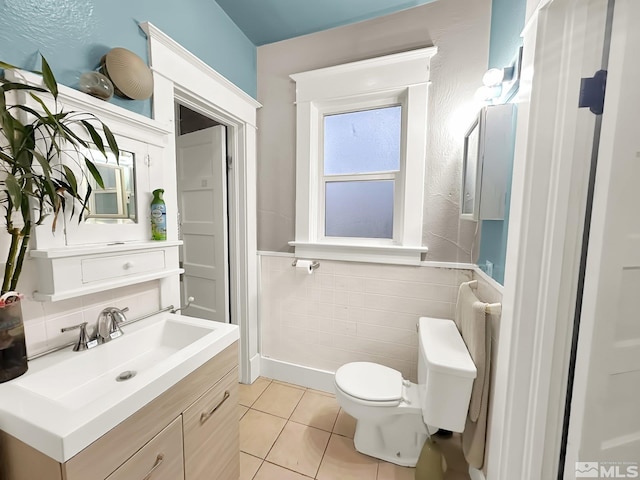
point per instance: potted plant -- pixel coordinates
(35, 180)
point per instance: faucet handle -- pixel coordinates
(84, 342)
(117, 317)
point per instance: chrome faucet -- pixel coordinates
(108, 326)
(84, 342)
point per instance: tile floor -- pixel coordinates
(289, 432)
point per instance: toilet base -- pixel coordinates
(399, 441)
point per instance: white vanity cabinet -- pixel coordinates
(189, 432)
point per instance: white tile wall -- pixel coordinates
(43, 320)
(351, 311)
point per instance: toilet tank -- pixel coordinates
(445, 374)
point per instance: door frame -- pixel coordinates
(181, 77)
(543, 251)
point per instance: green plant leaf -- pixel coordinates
(85, 203)
(49, 79)
(44, 164)
(95, 136)
(94, 172)
(73, 137)
(14, 189)
(71, 179)
(44, 107)
(7, 66)
(21, 86)
(111, 140)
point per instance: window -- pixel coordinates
(361, 145)
(361, 166)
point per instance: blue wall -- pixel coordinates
(74, 34)
(507, 22)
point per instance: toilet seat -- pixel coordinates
(370, 383)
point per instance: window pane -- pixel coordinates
(359, 209)
(362, 142)
(106, 203)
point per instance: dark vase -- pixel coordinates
(13, 349)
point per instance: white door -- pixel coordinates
(604, 431)
(202, 198)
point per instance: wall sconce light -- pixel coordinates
(500, 84)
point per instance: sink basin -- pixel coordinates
(92, 374)
(68, 399)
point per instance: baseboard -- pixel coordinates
(297, 374)
(476, 474)
(255, 367)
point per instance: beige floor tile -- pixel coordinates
(241, 411)
(279, 399)
(345, 425)
(342, 462)
(390, 471)
(250, 393)
(299, 448)
(269, 471)
(320, 392)
(316, 410)
(292, 385)
(249, 465)
(258, 432)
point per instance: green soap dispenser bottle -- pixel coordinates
(158, 216)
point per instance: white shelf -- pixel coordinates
(79, 250)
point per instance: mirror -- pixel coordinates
(116, 202)
(470, 175)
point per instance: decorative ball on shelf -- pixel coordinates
(131, 76)
(97, 85)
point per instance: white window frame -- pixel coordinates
(399, 79)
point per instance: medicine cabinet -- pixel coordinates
(485, 167)
(112, 247)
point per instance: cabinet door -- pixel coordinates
(211, 433)
(160, 459)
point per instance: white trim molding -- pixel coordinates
(297, 374)
(398, 79)
(549, 186)
(179, 76)
(394, 254)
(163, 50)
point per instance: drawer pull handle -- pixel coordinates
(159, 460)
(205, 415)
(128, 265)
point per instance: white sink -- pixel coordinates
(68, 399)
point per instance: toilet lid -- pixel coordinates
(370, 381)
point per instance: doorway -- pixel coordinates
(203, 218)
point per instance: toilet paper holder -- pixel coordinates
(314, 264)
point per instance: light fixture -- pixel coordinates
(488, 94)
(496, 76)
(130, 75)
(500, 84)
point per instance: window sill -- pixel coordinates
(398, 255)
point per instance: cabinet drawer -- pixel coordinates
(211, 433)
(160, 459)
(115, 266)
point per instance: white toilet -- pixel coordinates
(394, 416)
